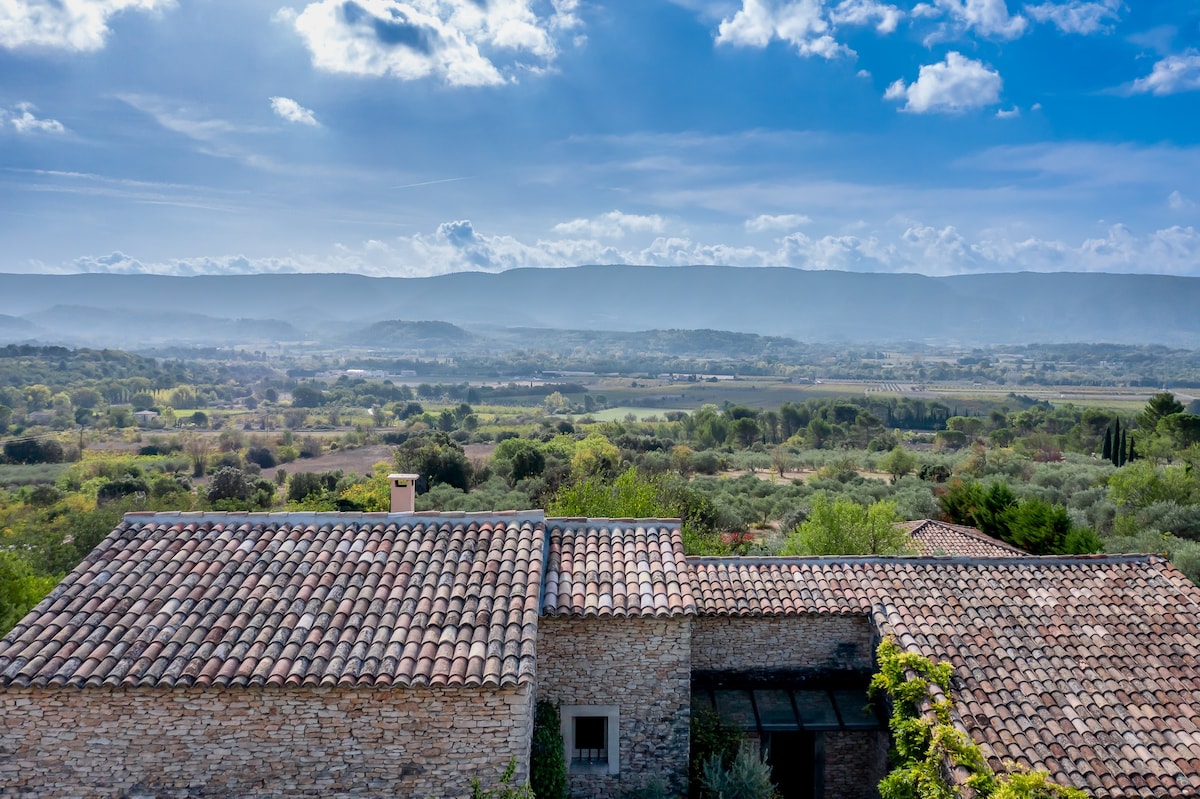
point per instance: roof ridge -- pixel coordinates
(941, 560)
(334, 517)
(601, 519)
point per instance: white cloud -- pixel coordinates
(764, 222)
(1078, 16)
(800, 23)
(460, 42)
(1178, 201)
(23, 121)
(914, 246)
(291, 111)
(1171, 75)
(612, 225)
(1008, 113)
(884, 17)
(985, 17)
(951, 86)
(807, 25)
(79, 25)
(121, 264)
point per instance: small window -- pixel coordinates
(590, 738)
(591, 741)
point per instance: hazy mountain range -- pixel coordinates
(140, 310)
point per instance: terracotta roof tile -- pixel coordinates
(616, 567)
(1068, 664)
(302, 599)
(942, 538)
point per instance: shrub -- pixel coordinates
(547, 766)
(505, 789)
(747, 777)
(710, 738)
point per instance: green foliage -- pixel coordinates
(651, 788)
(1142, 483)
(505, 789)
(898, 463)
(20, 589)
(547, 766)
(747, 777)
(435, 458)
(927, 747)
(710, 739)
(842, 526)
(628, 496)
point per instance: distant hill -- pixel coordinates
(399, 335)
(13, 328)
(124, 326)
(805, 305)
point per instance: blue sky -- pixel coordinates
(419, 137)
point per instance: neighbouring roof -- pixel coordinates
(616, 567)
(942, 538)
(175, 600)
(1083, 666)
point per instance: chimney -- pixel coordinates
(404, 492)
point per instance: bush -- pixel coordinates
(710, 738)
(747, 777)
(547, 766)
(505, 790)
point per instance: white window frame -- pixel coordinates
(612, 713)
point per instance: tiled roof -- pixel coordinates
(942, 538)
(616, 567)
(291, 599)
(1083, 666)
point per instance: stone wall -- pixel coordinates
(421, 743)
(840, 642)
(640, 665)
(855, 762)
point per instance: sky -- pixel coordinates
(420, 137)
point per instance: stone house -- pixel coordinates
(400, 655)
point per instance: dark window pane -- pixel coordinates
(775, 710)
(853, 707)
(735, 708)
(591, 740)
(815, 709)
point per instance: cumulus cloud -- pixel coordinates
(1008, 113)
(1078, 16)
(884, 17)
(951, 86)
(23, 121)
(914, 246)
(289, 110)
(765, 222)
(460, 42)
(77, 25)
(613, 225)
(121, 264)
(1171, 75)
(807, 25)
(985, 17)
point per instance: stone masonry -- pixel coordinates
(641, 665)
(307, 742)
(855, 762)
(843, 642)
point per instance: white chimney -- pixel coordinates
(404, 492)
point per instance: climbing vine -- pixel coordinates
(928, 748)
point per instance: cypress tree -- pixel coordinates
(1107, 452)
(1116, 442)
(1132, 451)
(1122, 450)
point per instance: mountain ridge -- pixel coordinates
(992, 308)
